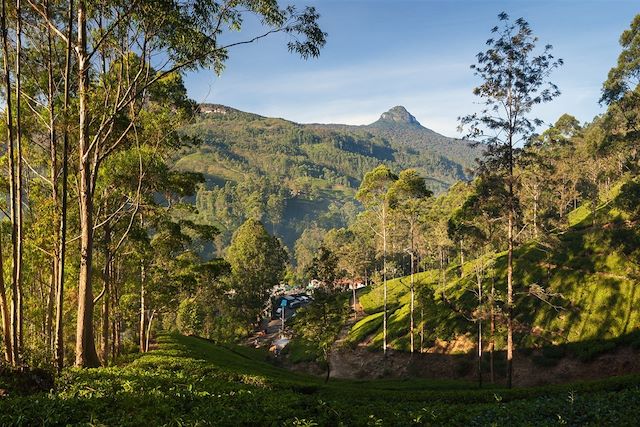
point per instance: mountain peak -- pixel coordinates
(398, 115)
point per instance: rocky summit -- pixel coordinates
(397, 116)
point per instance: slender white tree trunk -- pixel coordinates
(59, 334)
(411, 327)
(11, 325)
(384, 279)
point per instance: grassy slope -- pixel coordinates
(586, 268)
(190, 381)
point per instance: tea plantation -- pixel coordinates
(190, 381)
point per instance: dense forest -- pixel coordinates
(146, 240)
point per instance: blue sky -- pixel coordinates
(414, 53)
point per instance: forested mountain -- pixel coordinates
(438, 157)
(291, 175)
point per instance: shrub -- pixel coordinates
(190, 317)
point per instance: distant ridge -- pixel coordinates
(402, 129)
(291, 175)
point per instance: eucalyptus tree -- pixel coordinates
(548, 175)
(319, 323)
(374, 195)
(4, 309)
(478, 221)
(173, 267)
(514, 79)
(305, 248)
(64, 172)
(621, 90)
(11, 345)
(127, 186)
(406, 197)
(122, 50)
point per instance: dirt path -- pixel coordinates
(340, 369)
(270, 331)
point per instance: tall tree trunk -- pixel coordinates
(479, 277)
(114, 315)
(51, 296)
(421, 328)
(461, 259)
(59, 340)
(510, 273)
(4, 311)
(106, 298)
(53, 175)
(353, 297)
(443, 273)
(116, 303)
(142, 308)
(412, 308)
(18, 273)
(12, 342)
(86, 355)
(411, 326)
(113, 338)
(492, 331)
(535, 213)
(421, 316)
(148, 335)
(118, 337)
(384, 279)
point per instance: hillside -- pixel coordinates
(420, 147)
(578, 290)
(291, 175)
(190, 381)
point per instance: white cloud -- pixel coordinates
(436, 92)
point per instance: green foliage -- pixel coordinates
(290, 175)
(588, 276)
(623, 76)
(320, 322)
(302, 350)
(190, 381)
(374, 190)
(409, 185)
(258, 263)
(628, 200)
(324, 267)
(190, 317)
(305, 250)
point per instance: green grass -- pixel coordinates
(397, 291)
(300, 350)
(189, 381)
(364, 327)
(209, 165)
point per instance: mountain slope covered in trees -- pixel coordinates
(290, 175)
(576, 286)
